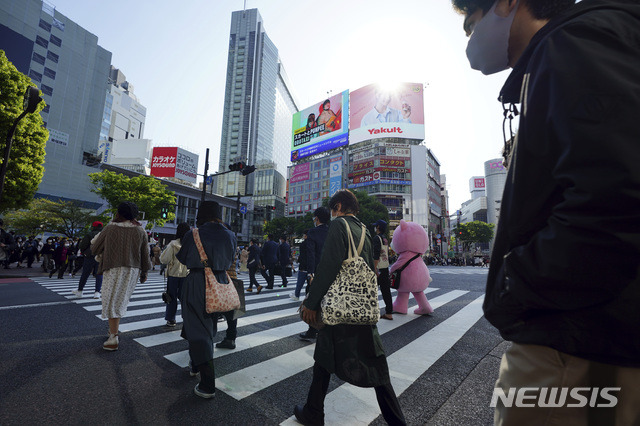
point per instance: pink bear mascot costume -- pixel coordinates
(410, 239)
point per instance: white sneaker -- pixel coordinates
(111, 344)
(96, 295)
(77, 293)
(292, 296)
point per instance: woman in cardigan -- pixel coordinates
(176, 272)
(353, 352)
(199, 328)
(124, 258)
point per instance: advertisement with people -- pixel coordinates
(321, 127)
(387, 112)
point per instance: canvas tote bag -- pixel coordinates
(353, 296)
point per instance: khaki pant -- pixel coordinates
(533, 366)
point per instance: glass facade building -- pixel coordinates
(258, 106)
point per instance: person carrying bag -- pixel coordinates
(208, 252)
(349, 345)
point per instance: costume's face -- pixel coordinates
(326, 106)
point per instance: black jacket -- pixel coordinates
(253, 261)
(269, 255)
(565, 269)
(284, 254)
(315, 242)
(302, 257)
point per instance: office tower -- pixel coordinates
(65, 61)
(258, 107)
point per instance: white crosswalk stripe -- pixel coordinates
(458, 270)
(271, 319)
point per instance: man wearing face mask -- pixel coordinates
(564, 282)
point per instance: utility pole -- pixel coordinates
(206, 170)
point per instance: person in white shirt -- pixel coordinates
(382, 113)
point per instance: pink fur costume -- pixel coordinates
(410, 239)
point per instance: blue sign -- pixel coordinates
(243, 209)
(209, 180)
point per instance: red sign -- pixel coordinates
(478, 183)
(363, 165)
(163, 161)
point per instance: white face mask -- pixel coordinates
(488, 47)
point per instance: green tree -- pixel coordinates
(371, 210)
(281, 226)
(149, 194)
(58, 217)
(25, 169)
(473, 232)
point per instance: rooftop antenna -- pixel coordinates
(244, 10)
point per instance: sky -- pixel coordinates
(175, 56)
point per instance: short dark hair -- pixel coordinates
(347, 200)
(323, 214)
(128, 210)
(540, 9)
(208, 211)
(283, 237)
(270, 237)
(181, 230)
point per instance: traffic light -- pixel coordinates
(236, 167)
(164, 212)
(270, 207)
(248, 170)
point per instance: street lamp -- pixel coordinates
(31, 100)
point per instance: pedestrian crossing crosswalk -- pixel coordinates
(265, 356)
(458, 270)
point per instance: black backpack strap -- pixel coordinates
(407, 264)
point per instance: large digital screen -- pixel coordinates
(321, 127)
(386, 112)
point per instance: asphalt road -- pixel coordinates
(54, 370)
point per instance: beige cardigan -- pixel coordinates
(122, 244)
(168, 257)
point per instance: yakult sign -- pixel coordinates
(174, 162)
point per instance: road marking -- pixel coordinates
(404, 369)
(34, 305)
(243, 383)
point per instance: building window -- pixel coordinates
(55, 40)
(45, 25)
(46, 109)
(52, 57)
(49, 73)
(42, 42)
(47, 90)
(36, 76)
(37, 58)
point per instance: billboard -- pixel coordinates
(321, 127)
(174, 162)
(335, 174)
(378, 112)
(300, 173)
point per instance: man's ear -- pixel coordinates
(505, 7)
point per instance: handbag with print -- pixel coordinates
(352, 298)
(218, 297)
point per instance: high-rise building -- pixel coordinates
(128, 115)
(258, 107)
(66, 63)
(495, 177)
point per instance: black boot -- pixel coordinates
(207, 386)
(226, 344)
(303, 416)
